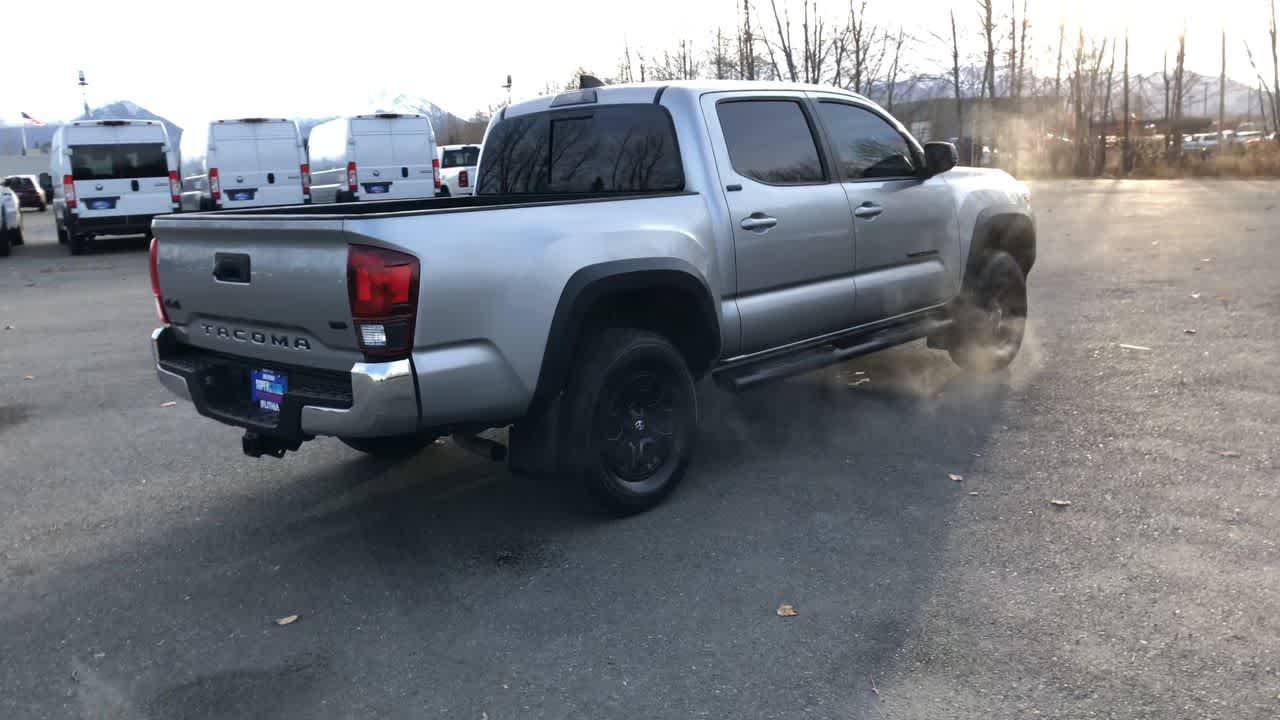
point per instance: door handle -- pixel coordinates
(758, 221)
(868, 211)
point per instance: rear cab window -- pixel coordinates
(118, 160)
(460, 157)
(771, 141)
(591, 149)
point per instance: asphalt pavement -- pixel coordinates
(144, 561)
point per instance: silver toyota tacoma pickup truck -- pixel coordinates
(623, 243)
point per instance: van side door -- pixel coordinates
(906, 237)
(793, 241)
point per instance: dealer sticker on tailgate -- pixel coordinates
(267, 389)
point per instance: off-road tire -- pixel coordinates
(632, 419)
(77, 244)
(991, 316)
(393, 446)
(16, 236)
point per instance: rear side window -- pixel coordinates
(603, 149)
(461, 157)
(124, 160)
(866, 145)
(770, 141)
(20, 182)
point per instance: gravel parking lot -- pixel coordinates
(144, 560)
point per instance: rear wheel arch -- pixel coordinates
(666, 296)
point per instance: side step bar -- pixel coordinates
(743, 377)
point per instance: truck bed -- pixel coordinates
(427, 205)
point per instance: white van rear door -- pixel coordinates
(393, 157)
(259, 163)
(120, 178)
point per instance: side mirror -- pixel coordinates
(940, 157)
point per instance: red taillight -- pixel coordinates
(306, 179)
(215, 187)
(155, 282)
(351, 176)
(462, 178)
(175, 187)
(435, 171)
(382, 286)
(69, 191)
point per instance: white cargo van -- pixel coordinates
(111, 177)
(458, 169)
(245, 162)
(371, 157)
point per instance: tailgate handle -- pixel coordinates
(271, 178)
(134, 184)
(404, 172)
(231, 267)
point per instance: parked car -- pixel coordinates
(117, 175)
(28, 190)
(10, 220)
(246, 162)
(458, 169)
(1204, 144)
(624, 241)
(386, 155)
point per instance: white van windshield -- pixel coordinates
(124, 160)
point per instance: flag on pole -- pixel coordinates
(31, 121)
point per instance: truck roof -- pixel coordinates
(646, 92)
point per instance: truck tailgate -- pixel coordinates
(270, 289)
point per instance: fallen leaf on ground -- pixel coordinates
(1229, 453)
(1133, 347)
(859, 381)
(955, 477)
(1195, 296)
(8, 327)
(171, 403)
(973, 492)
(1060, 503)
(1206, 259)
(786, 611)
(287, 620)
(28, 377)
(1190, 331)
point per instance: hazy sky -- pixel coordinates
(192, 61)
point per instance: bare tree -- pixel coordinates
(1013, 48)
(987, 14)
(1178, 73)
(1275, 68)
(784, 42)
(1126, 157)
(1022, 50)
(1106, 115)
(893, 68)
(955, 76)
(1062, 39)
(1164, 74)
(1222, 87)
(1266, 96)
(861, 41)
(747, 45)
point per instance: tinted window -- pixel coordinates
(618, 148)
(126, 160)
(20, 182)
(865, 145)
(462, 157)
(770, 141)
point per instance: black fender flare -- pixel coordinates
(1002, 227)
(590, 284)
